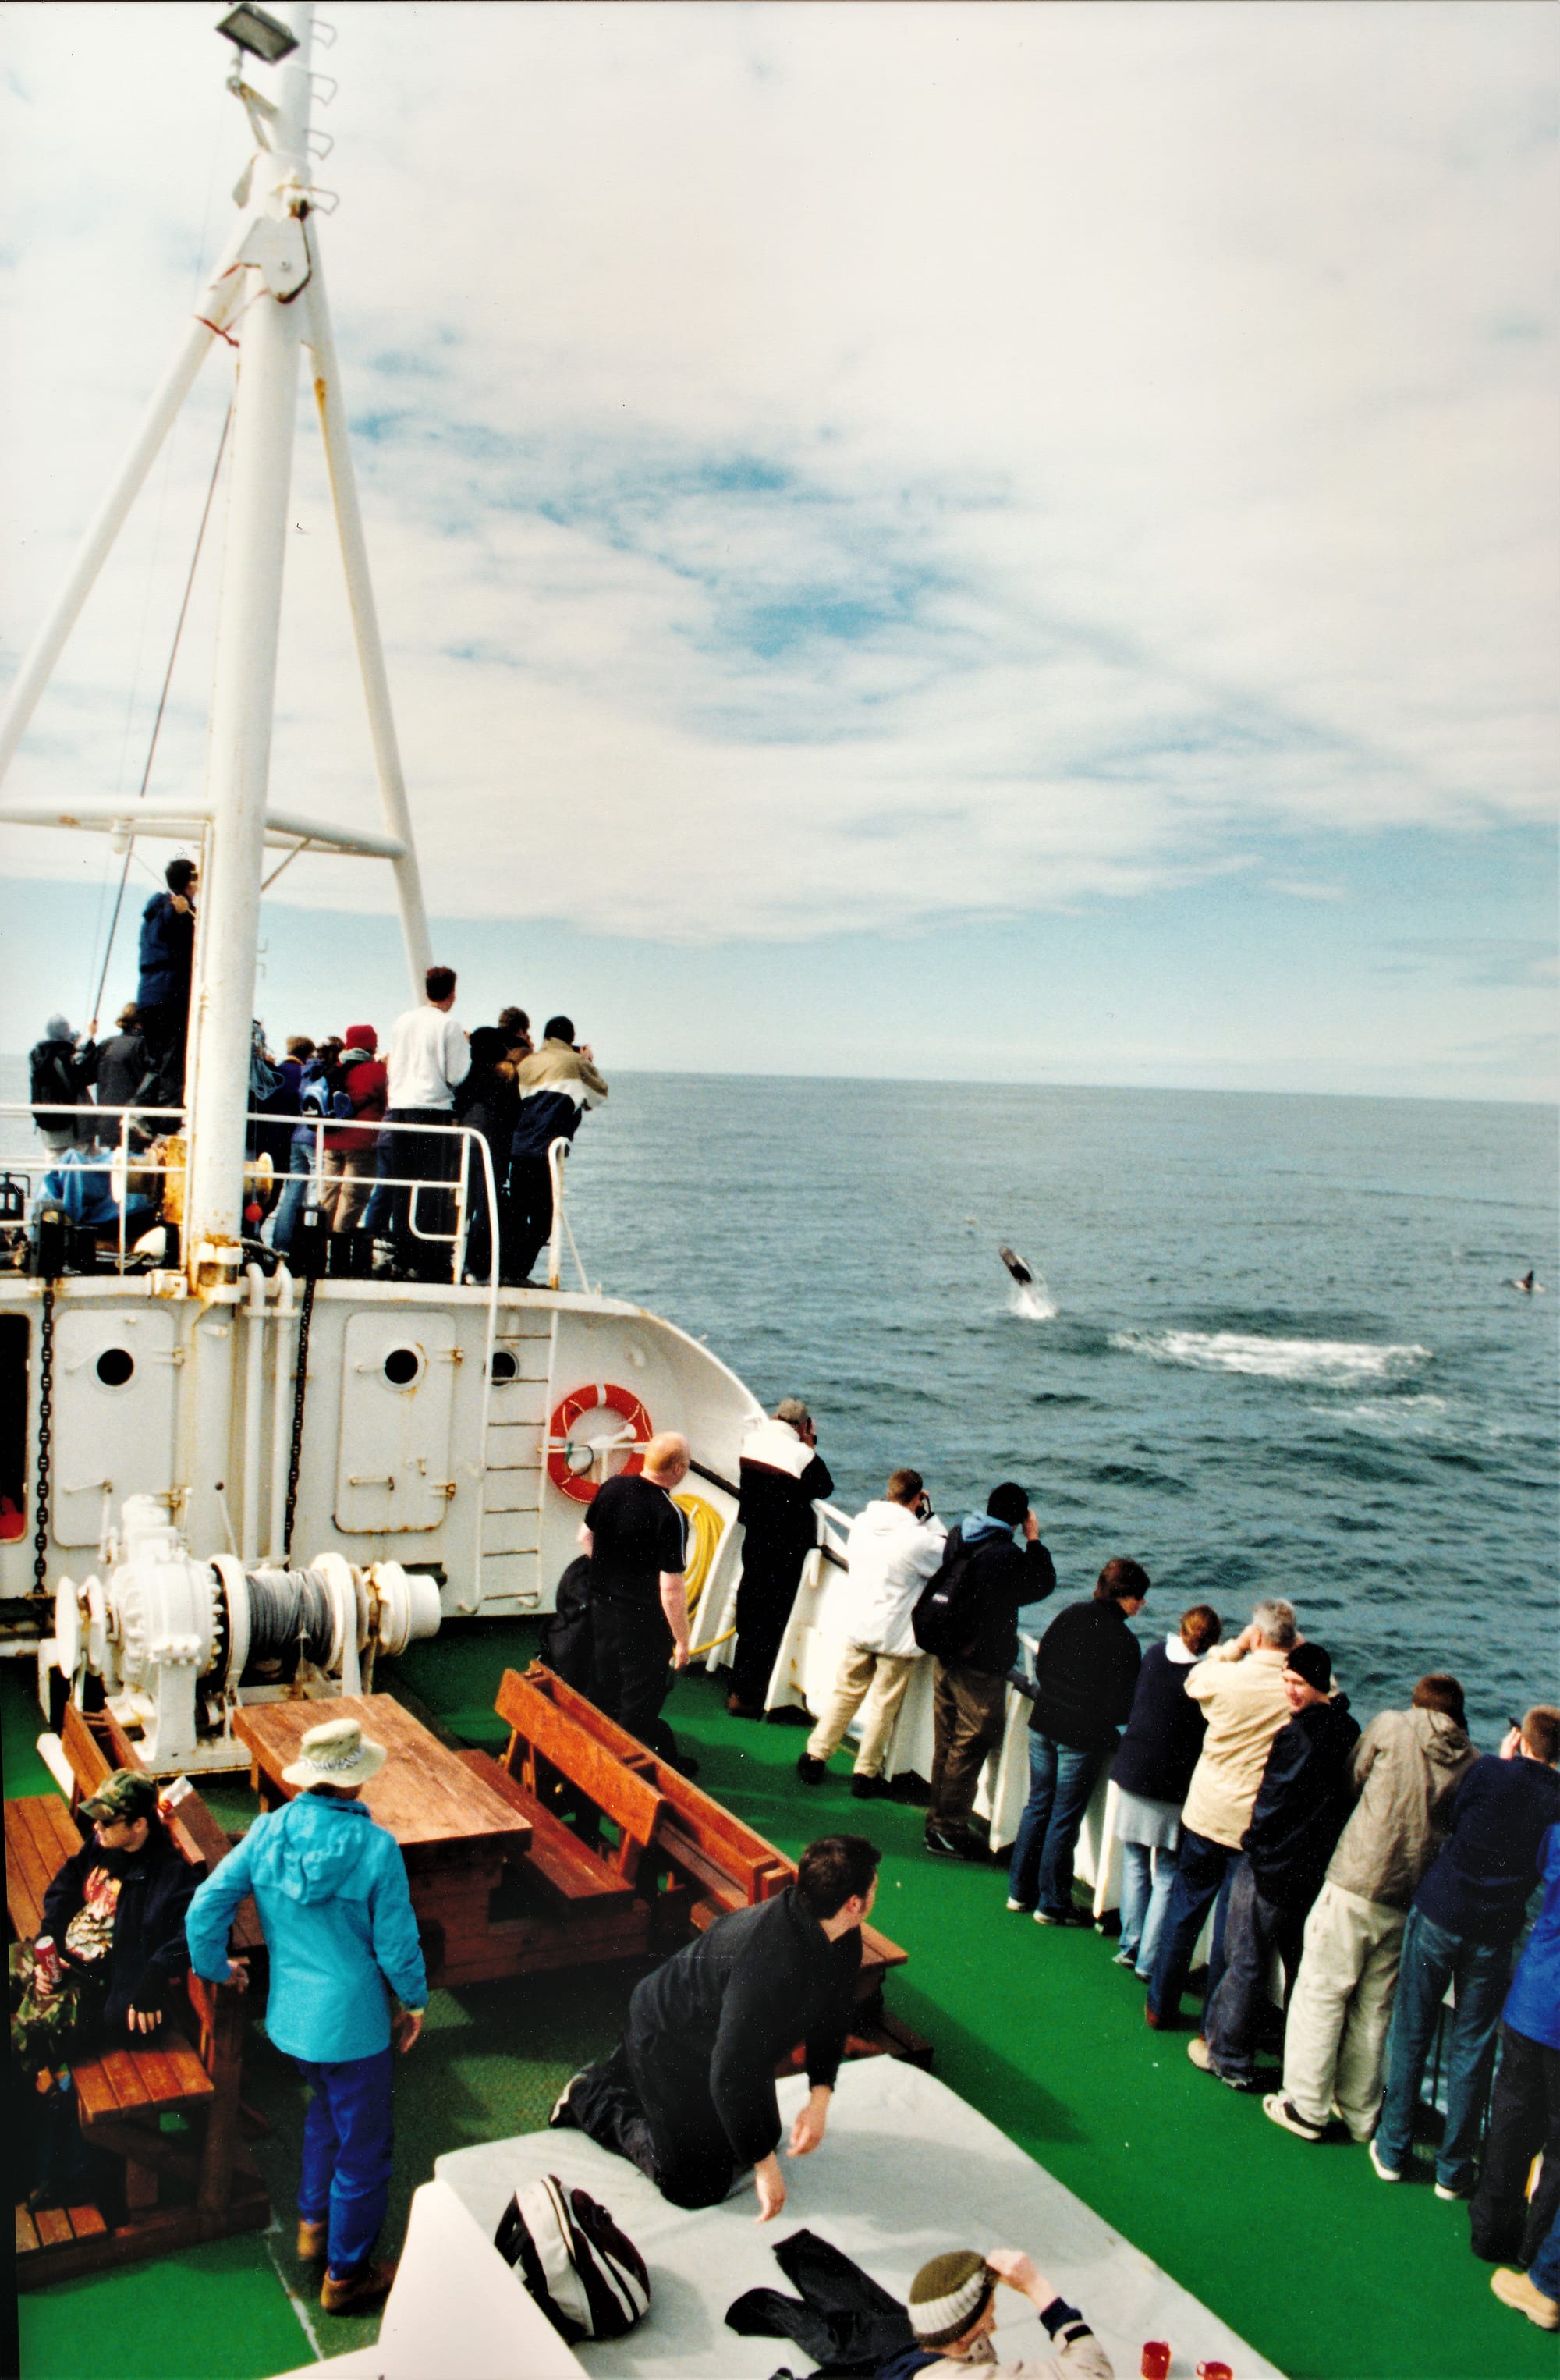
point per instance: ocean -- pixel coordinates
(1271, 1349)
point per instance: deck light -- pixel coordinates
(257, 31)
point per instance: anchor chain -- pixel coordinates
(45, 1434)
(300, 1382)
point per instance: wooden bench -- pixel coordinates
(123, 2093)
(703, 1860)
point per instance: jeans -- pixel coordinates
(1544, 2270)
(1061, 1778)
(295, 1190)
(347, 2150)
(1147, 1880)
(1255, 1929)
(1203, 1877)
(1479, 1970)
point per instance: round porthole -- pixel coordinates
(115, 1366)
(402, 1366)
(504, 1365)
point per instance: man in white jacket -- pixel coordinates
(894, 1547)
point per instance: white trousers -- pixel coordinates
(1335, 2040)
(876, 1681)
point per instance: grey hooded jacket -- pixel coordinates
(1406, 1765)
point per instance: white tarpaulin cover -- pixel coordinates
(907, 2170)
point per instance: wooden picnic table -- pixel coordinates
(456, 1834)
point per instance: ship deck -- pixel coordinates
(1299, 2249)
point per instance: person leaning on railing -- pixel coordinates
(427, 1058)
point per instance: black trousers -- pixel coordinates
(632, 1650)
(670, 2132)
(764, 1599)
(164, 1026)
(1524, 2120)
(529, 1203)
(428, 1157)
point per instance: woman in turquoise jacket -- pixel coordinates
(336, 1913)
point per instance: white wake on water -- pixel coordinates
(1325, 1363)
(1032, 1300)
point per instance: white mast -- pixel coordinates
(239, 752)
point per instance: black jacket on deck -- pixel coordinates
(1007, 1577)
(777, 1513)
(1085, 1672)
(149, 1952)
(1302, 1804)
(712, 2023)
(1164, 1735)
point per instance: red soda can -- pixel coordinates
(46, 1962)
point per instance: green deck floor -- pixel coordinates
(1324, 2269)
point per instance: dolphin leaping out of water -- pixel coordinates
(1017, 1267)
(1526, 1283)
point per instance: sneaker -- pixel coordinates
(313, 2240)
(956, 1847)
(355, 2291)
(1384, 2173)
(1155, 2023)
(561, 2119)
(811, 1772)
(1442, 2191)
(1516, 2290)
(1062, 1917)
(870, 1788)
(1025, 1907)
(1125, 1958)
(1201, 2055)
(1280, 2110)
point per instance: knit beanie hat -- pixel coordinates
(1314, 1663)
(57, 1029)
(1008, 1503)
(362, 1036)
(949, 2295)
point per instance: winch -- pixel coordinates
(180, 1642)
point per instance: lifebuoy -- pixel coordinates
(564, 1450)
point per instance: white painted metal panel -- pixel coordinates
(509, 1533)
(397, 1389)
(113, 1415)
(516, 1400)
(513, 1491)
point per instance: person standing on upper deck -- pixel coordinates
(426, 1058)
(893, 1548)
(1241, 1688)
(636, 1539)
(556, 1084)
(167, 969)
(336, 1909)
(987, 1581)
(782, 1476)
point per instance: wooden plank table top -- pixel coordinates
(425, 1795)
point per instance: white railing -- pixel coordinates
(122, 1162)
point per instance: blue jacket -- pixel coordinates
(1532, 2005)
(331, 1888)
(167, 952)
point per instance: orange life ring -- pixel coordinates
(579, 1485)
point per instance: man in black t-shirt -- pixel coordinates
(636, 1539)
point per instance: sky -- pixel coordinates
(1014, 541)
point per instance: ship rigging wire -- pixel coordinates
(96, 1009)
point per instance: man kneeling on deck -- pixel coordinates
(953, 2313)
(336, 1913)
(689, 2094)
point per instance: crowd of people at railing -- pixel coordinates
(350, 1137)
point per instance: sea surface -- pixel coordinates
(1271, 1349)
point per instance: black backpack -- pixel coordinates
(948, 1607)
(567, 1642)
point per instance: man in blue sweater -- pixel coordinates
(331, 1888)
(1466, 1917)
(1525, 2111)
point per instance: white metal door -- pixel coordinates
(397, 1392)
(114, 1416)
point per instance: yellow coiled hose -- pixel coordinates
(706, 1529)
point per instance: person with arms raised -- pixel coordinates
(894, 1546)
(968, 1616)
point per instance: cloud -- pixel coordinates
(838, 471)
